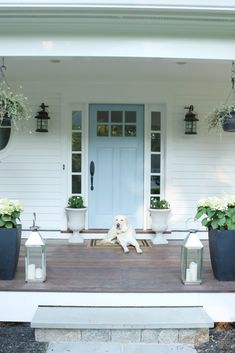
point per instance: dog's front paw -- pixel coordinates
(126, 251)
(139, 251)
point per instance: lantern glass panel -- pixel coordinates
(35, 264)
(191, 265)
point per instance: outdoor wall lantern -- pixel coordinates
(191, 260)
(190, 121)
(35, 256)
(42, 119)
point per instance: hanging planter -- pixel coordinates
(229, 122)
(223, 117)
(13, 107)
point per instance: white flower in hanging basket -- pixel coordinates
(14, 107)
(217, 117)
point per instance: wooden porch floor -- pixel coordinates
(80, 268)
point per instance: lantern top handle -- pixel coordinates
(192, 225)
(34, 227)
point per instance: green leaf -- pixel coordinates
(205, 222)
(199, 214)
(6, 218)
(9, 225)
(214, 224)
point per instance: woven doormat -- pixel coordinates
(97, 243)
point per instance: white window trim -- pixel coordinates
(147, 157)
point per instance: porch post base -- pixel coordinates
(159, 238)
(76, 238)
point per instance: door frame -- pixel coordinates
(148, 108)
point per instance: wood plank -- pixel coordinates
(80, 268)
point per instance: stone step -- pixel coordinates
(118, 348)
(122, 324)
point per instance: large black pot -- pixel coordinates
(222, 253)
(229, 122)
(10, 240)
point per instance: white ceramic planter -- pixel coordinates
(159, 224)
(76, 222)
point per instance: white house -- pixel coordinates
(117, 76)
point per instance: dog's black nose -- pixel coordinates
(118, 225)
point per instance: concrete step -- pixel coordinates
(118, 348)
(162, 325)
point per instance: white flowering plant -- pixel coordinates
(10, 211)
(217, 213)
(217, 117)
(14, 107)
(155, 203)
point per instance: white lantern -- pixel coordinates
(35, 258)
(191, 260)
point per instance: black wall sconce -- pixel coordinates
(42, 119)
(190, 121)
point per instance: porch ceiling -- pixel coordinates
(118, 69)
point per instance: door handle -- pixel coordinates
(92, 172)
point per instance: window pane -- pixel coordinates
(116, 117)
(76, 163)
(102, 130)
(4, 137)
(102, 117)
(76, 184)
(76, 141)
(155, 142)
(116, 130)
(155, 163)
(156, 121)
(76, 120)
(155, 184)
(130, 130)
(130, 117)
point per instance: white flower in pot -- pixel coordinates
(76, 212)
(159, 212)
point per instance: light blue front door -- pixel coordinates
(116, 134)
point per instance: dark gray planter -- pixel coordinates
(229, 122)
(10, 240)
(222, 253)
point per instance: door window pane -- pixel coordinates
(76, 120)
(102, 116)
(76, 141)
(130, 130)
(155, 163)
(116, 117)
(155, 184)
(116, 130)
(155, 142)
(156, 121)
(76, 163)
(130, 117)
(76, 184)
(102, 130)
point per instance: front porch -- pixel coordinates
(81, 268)
(79, 275)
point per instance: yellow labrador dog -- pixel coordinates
(124, 233)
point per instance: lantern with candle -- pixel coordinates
(35, 256)
(191, 260)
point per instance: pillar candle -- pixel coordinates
(31, 271)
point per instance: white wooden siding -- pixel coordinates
(31, 168)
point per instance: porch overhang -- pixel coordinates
(118, 29)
